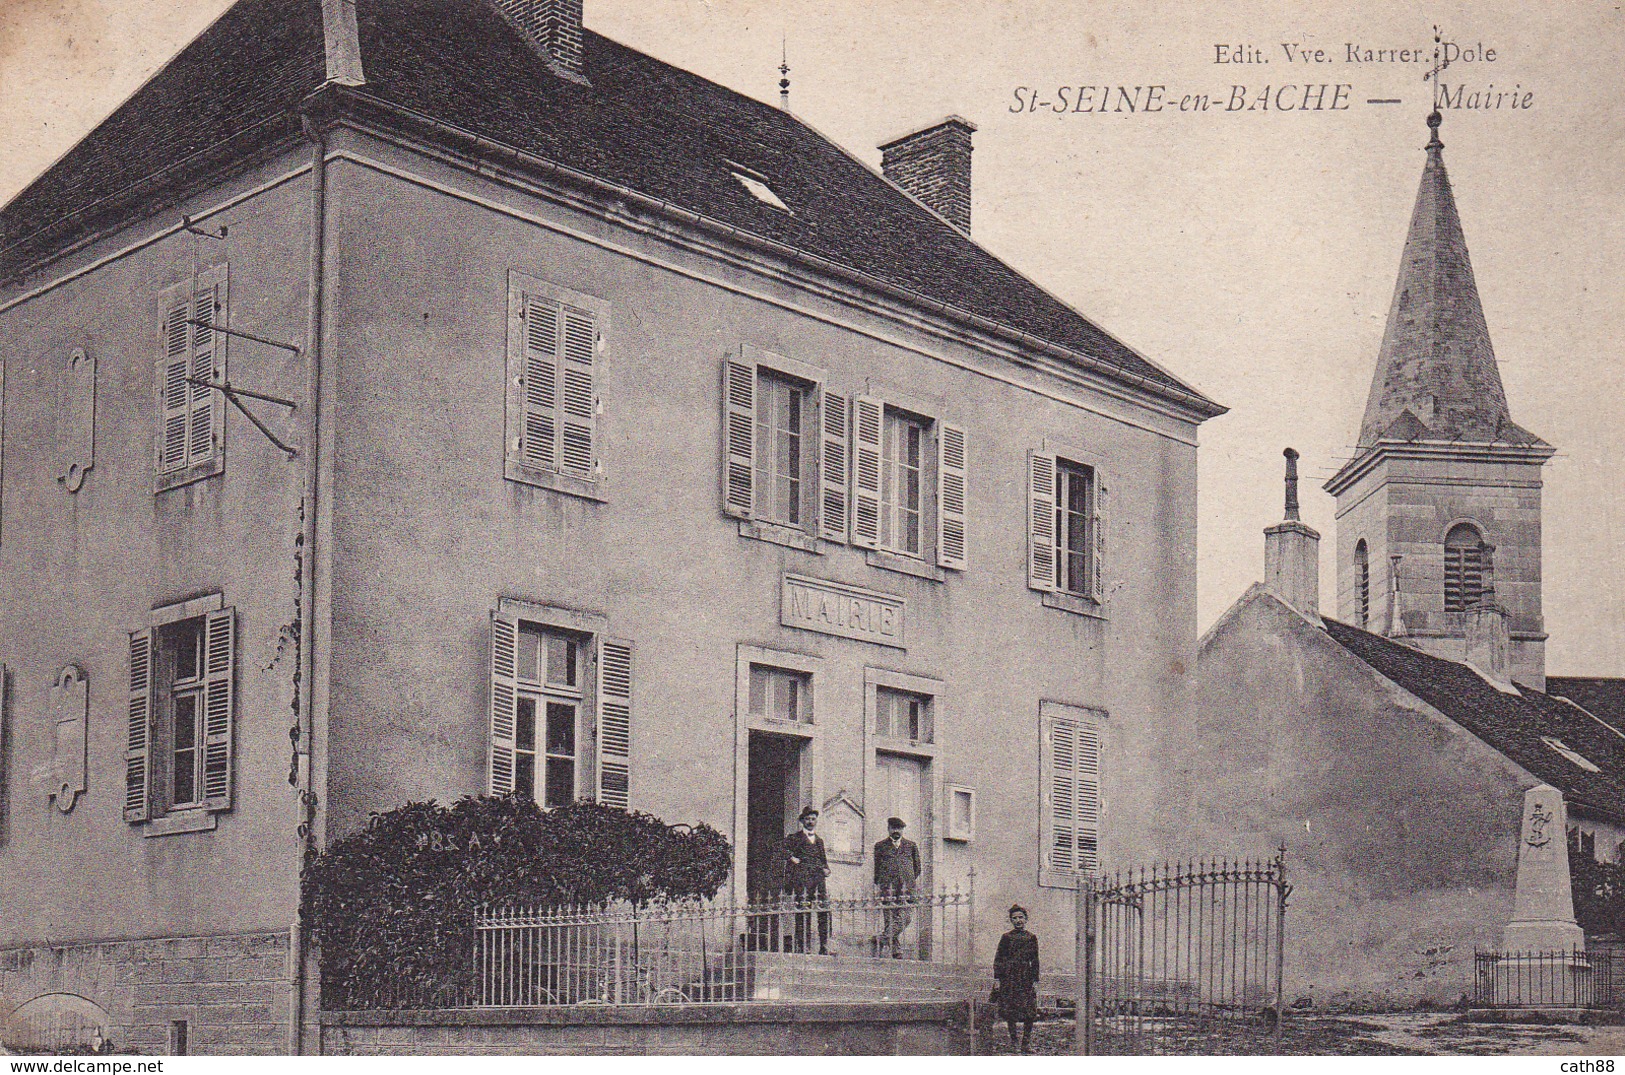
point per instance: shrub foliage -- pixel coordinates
(1599, 890)
(392, 907)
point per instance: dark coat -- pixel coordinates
(899, 867)
(805, 863)
(1015, 965)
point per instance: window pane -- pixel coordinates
(188, 637)
(561, 660)
(530, 668)
(524, 776)
(186, 722)
(784, 697)
(760, 680)
(185, 752)
(561, 781)
(561, 728)
(524, 734)
(883, 701)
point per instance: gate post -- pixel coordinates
(1083, 1038)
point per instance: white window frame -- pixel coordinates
(1043, 566)
(943, 484)
(955, 831)
(820, 439)
(589, 483)
(1086, 720)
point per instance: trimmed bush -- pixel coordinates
(392, 907)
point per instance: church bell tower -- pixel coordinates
(1438, 512)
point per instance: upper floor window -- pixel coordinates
(555, 341)
(559, 689)
(191, 442)
(1362, 581)
(784, 469)
(902, 483)
(905, 466)
(1466, 568)
(181, 712)
(1066, 530)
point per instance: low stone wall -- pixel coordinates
(928, 1028)
(232, 992)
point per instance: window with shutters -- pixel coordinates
(179, 756)
(561, 707)
(902, 484)
(908, 487)
(783, 462)
(1066, 533)
(191, 438)
(1069, 782)
(1362, 582)
(1466, 568)
(555, 366)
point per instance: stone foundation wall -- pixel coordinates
(232, 992)
(928, 1028)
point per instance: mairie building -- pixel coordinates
(429, 398)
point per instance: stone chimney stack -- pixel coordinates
(1489, 644)
(555, 25)
(934, 166)
(1292, 552)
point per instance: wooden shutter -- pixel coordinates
(539, 434)
(504, 701)
(1063, 793)
(219, 669)
(614, 722)
(739, 437)
(1041, 521)
(206, 411)
(1088, 795)
(174, 393)
(868, 421)
(580, 404)
(833, 456)
(951, 496)
(1097, 531)
(138, 713)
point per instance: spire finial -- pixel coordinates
(1433, 75)
(784, 73)
(1434, 119)
(1291, 484)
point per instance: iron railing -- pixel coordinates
(1169, 945)
(698, 952)
(1555, 979)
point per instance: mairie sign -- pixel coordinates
(834, 608)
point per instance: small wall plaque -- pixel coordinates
(76, 421)
(70, 705)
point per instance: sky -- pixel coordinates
(1252, 252)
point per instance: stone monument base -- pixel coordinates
(1542, 980)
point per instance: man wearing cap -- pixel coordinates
(805, 867)
(897, 867)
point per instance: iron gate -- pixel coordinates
(1177, 951)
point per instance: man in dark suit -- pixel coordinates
(897, 867)
(805, 868)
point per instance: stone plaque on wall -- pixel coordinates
(834, 608)
(76, 421)
(70, 705)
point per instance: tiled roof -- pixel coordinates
(1602, 698)
(1517, 725)
(640, 124)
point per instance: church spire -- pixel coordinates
(1436, 375)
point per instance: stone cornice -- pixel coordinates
(1453, 451)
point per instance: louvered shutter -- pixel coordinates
(951, 496)
(578, 418)
(206, 410)
(174, 393)
(138, 744)
(504, 701)
(1063, 794)
(1097, 530)
(739, 437)
(614, 722)
(539, 378)
(219, 669)
(1088, 796)
(1041, 521)
(833, 483)
(868, 420)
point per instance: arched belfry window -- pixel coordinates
(1466, 568)
(1362, 580)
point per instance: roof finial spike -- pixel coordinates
(1434, 119)
(784, 72)
(1433, 75)
(1291, 484)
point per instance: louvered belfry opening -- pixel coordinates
(555, 25)
(1466, 569)
(1362, 580)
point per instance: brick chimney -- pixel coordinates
(1292, 552)
(1489, 645)
(934, 166)
(555, 26)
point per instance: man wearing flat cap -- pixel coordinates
(805, 868)
(897, 867)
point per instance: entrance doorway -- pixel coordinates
(903, 790)
(779, 785)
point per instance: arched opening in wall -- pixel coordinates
(1466, 568)
(1362, 581)
(56, 1022)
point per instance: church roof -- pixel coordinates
(1603, 698)
(1436, 376)
(1564, 745)
(460, 68)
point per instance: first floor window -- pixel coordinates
(192, 355)
(1070, 782)
(180, 713)
(1074, 520)
(782, 451)
(902, 483)
(548, 715)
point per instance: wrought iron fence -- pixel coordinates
(1558, 979)
(1167, 946)
(696, 952)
